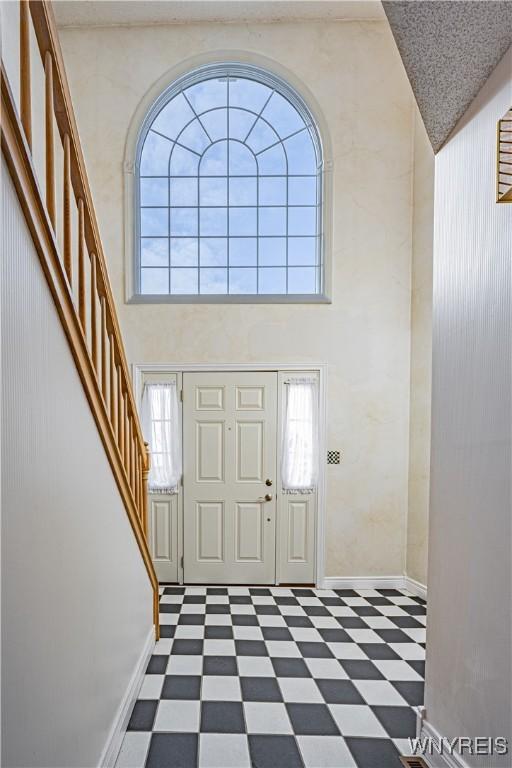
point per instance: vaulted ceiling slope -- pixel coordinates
(449, 48)
(94, 13)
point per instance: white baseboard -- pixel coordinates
(426, 730)
(117, 731)
(363, 582)
(375, 582)
(415, 587)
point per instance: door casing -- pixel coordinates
(139, 370)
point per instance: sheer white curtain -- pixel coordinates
(161, 426)
(299, 455)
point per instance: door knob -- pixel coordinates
(268, 481)
(268, 497)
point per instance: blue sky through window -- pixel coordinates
(229, 203)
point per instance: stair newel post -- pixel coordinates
(145, 476)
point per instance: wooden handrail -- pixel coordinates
(97, 345)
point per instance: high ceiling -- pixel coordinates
(77, 13)
(449, 49)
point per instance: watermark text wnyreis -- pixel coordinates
(462, 745)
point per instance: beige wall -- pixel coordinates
(354, 71)
(421, 355)
(469, 650)
(76, 598)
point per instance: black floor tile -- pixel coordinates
(157, 664)
(358, 669)
(339, 692)
(194, 600)
(187, 647)
(335, 636)
(406, 622)
(274, 752)
(251, 648)
(220, 665)
(399, 722)
(167, 630)
(191, 619)
(393, 636)
(418, 666)
(217, 608)
(244, 620)
(143, 715)
(379, 651)
(312, 720)
(413, 691)
(170, 607)
(222, 717)
(181, 687)
(276, 633)
(172, 750)
(315, 650)
(217, 591)
(213, 632)
(240, 600)
(284, 667)
(260, 689)
(374, 753)
(351, 622)
(298, 621)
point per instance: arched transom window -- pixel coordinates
(229, 189)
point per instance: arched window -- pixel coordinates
(229, 190)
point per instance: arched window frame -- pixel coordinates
(281, 86)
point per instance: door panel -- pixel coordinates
(210, 451)
(229, 442)
(163, 535)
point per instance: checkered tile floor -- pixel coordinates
(275, 678)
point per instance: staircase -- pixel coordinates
(57, 205)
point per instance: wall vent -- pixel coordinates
(413, 762)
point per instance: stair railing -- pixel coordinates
(66, 235)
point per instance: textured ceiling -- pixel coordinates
(449, 49)
(77, 13)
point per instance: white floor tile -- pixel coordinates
(193, 608)
(379, 622)
(292, 610)
(219, 648)
(133, 750)
(178, 715)
(417, 634)
(266, 717)
(151, 687)
(392, 669)
(341, 610)
(410, 651)
(364, 636)
(356, 720)
(271, 621)
(255, 666)
(223, 750)
(218, 619)
(189, 632)
(185, 665)
(379, 692)
(300, 689)
(247, 633)
(282, 648)
(347, 651)
(325, 752)
(324, 622)
(245, 609)
(306, 634)
(326, 669)
(220, 688)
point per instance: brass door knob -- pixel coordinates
(268, 481)
(268, 497)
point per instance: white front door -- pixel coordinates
(229, 451)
